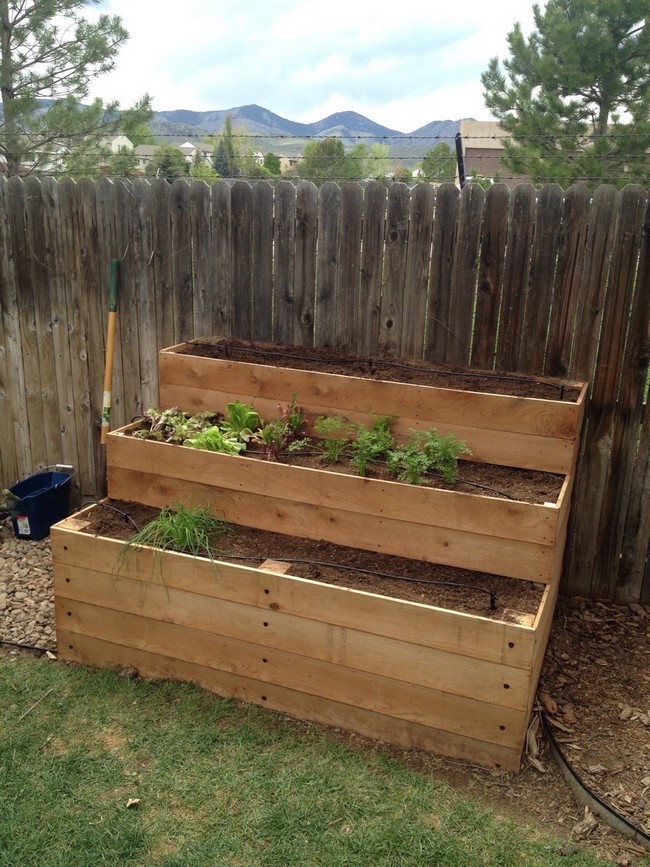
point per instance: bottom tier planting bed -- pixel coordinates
(399, 671)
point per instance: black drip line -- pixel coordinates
(459, 479)
(589, 798)
(323, 564)
(375, 362)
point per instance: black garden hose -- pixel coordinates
(589, 798)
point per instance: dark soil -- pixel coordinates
(418, 372)
(490, 480)
(462, 590)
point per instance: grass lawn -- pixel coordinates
(218, 784)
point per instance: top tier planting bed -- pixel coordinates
(528, 422)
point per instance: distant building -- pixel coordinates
(483, 150)
(144, 154)
(289, 165)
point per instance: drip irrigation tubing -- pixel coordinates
(588, 798)
(375, 574)
(374, 362)
(125, 515)
(323, 564)
(20, 646)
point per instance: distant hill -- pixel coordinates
(271, 132)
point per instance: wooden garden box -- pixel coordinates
(402, 672)
(407, 673)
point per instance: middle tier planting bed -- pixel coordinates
(470, 531)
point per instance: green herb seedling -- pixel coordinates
(213, 439)
(185, 529)
(334, 434)
(426, 452)
(241, 421)
(372, 444)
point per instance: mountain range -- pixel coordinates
(271, 132)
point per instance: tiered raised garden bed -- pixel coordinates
(401, 671)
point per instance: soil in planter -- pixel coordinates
(416, 372)
(462, 590)
(490, 480)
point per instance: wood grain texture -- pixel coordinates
(406, 673)
(194, 264)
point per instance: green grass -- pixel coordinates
(219, 783)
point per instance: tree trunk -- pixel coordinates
(11, 145)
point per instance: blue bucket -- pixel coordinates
(40, 500)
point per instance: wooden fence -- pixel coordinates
(540, 282)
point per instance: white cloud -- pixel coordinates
(303, 59)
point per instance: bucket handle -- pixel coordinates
(56, 468)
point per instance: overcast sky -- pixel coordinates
(400, 66)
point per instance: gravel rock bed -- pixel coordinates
(26, 592)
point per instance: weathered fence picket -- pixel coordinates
(534, 281)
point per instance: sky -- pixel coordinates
(400, 66)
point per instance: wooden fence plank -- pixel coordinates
(349, 263)
(222, 301)
(626, 368)
(305, 274)
(594, 276)
(21, 244)
(242, 258)
(568, 285)
(41, 272)
(370, 279)
(594, 483)
(107, 248)
(75, 389)
(128, 251)
(201, 229)
(14, 454)
(87, 320)
(327, 262)
(182, 268)
(490, 277)
(445, 228)
(262, 284)
(515, 278)
(418, 259)
(463, 284)
(61, 372)
(634, 571)
(392, 302)
(284, 310)
(540, 290)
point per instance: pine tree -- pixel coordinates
(48, 55)
(575, 94)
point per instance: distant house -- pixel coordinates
(483, 149)
(109, 146)
(144, 155)
(118, 144)
(195, 153)
(289, 165)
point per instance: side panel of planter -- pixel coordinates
(504, 537)
(407, 673)
(514, 431)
